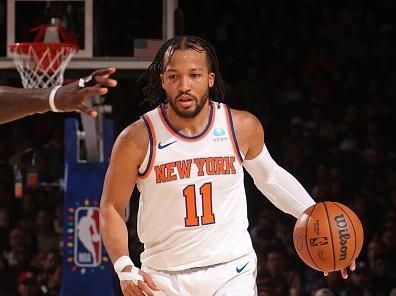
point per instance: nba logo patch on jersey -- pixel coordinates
(88, 243)
(219, 135)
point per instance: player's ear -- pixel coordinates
(162, 77)
(212, 77)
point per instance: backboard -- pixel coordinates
(25, 18)
(116, 33)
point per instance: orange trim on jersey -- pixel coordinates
(153, 147)
(232, 134)
(178, 135)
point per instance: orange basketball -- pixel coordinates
(328, 236)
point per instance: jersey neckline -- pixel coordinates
(176, 133)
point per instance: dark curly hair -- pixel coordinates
(153, 91)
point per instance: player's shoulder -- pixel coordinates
(134, 137)
(134, 132)
(245, 120)
(249, 131)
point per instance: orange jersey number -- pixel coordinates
(192, 218)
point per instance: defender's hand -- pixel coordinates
(72, 97)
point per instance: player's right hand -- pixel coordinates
(143, 288)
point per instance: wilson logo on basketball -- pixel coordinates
(343, 233)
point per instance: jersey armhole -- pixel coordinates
(232, 133)
(147, 165)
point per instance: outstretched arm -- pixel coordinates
(279, 186)
(16, 103)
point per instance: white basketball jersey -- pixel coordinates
(192, 210)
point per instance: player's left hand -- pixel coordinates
(344, 272)
(72, 97)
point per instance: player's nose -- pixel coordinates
(184, 84)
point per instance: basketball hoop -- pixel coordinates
(42, 65)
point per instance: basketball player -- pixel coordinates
(16, 103)
(187, 157)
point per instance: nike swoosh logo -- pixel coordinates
(239, 270)
(162, 146)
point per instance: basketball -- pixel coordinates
(328, 236)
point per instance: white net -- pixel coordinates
(42, 65)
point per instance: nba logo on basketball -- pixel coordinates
(88, 244)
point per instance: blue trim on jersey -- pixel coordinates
(151, 144)
(234, 133)
(184, 136)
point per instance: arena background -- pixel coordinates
(321, 77)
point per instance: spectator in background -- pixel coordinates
(375, 249)
(27, 284)
(52, 285)
(313, 282)
(49, 262)
(5, 199)
(359, 284)
(381, 279)
(47, 239)
(58, 221)
(335, 283)
(19, 253)
(265, 285)
(324, 292)
(277, 267)
(5, 282)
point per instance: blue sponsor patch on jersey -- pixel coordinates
(218, 132)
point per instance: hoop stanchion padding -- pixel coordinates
(86, 266)
(42, 65)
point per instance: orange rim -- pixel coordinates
(41, 46)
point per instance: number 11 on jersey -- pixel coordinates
(205, 192)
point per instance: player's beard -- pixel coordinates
(189, 113)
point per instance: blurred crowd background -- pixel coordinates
(321, 77)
